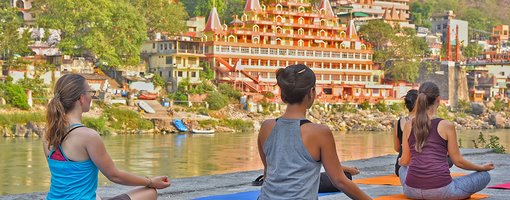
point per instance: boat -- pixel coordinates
(148, 96)
(179, 125)
(196, 131)
(146, 107)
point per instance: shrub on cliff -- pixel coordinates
(216, 100)
(14, 95)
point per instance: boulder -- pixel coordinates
(477, 109)
(497, 120)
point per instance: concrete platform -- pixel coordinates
(194, 187)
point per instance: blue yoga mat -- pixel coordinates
(249, 195)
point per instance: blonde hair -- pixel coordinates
(67, 91)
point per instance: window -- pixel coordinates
(179, 74)
(153, 45)
(193, 74)
(169, 60)
(327, 90)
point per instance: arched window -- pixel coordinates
(301, 43)
(301, 31)
(364, 47)
(280, 30)
(322, 11)
(279, 7)
(279, 41)
(343, 34)
(279, 18)
(301, 20)
(256, 28)
(20, 4)
(244, 17)
(263, 7)
(301, 9)
(323, 22)
(255, 39)
(323, 33)
(232, 38)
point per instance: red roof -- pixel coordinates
(213, 22)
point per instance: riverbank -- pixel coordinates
(339, 117)
(195, 187)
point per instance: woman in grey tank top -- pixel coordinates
(292, 149)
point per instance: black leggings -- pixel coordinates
(325, 184)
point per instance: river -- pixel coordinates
(23, 167)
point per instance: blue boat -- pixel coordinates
(179, 125)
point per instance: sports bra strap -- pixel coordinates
(301, 122)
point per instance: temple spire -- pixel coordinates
(213, 22)
(252, 5)
(327, 7)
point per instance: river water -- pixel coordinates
(23, 167)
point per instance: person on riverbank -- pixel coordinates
(427, 141)
(76, 153)
(293, 149)
(409, 101)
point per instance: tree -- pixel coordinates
(204, 7)
(421, 13)
(233, 7)
(13, 40)
(15, 95)
(398, 50)
(158, 81)
(472, 50)
(111, 32)
(162, 15)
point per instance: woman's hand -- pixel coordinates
(488, 167)
(160, 182)
(352, 170)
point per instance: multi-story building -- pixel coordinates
(24, 11)
(392, 11)
(264, 38)
(502, 32)
(440, 23)
(174, 59)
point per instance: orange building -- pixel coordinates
(247, 52)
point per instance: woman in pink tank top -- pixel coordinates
(426, 143)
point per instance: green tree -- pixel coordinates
(158, 81)
(216, 100)
(204, 7)
(472, 50)
(378, 33)
(207, 73)
(233, 7)
(11, 41)
(162, 15)
(15, 96)
(421, 13)
(110, 31)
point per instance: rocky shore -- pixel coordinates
(476, 116)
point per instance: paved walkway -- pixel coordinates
(194, 187)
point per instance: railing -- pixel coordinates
(291, 53)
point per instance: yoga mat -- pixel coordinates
(403, 197)
(505, 186)
(387, 180)
(249, 195)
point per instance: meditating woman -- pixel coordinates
(409, 100)
(292, 148)
(75, 152)
(427, 142)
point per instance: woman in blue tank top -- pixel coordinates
(76, 153)
(426, 144)
(293, 149)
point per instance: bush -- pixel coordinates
(98, 124)
(216, 100)
(15, 95)
(493, 143)
(442, 112)
(499, 105)
(9, 119)
(345, 107)
(464, 106)
(122, 119)
(237, 124)
(381, 106)
(365, 105)
(397, 108)
(229, 91)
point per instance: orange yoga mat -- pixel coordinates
(402, 197)
(387, 180)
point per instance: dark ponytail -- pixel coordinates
(427, 95)
(67, 91)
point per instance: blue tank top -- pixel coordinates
(291, 171)
(72, 180)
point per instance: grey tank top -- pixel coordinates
(291, 171)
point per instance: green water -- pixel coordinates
(23, 167)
